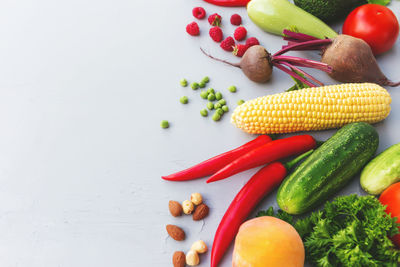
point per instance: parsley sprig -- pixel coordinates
(349, 231)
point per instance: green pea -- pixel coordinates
(204, 112)
(216, 116)
(164, 124)
(204, 94)
(194, 86)
(211, 97)
(217, 105)
(241, 101)
(222, 102)
(184, 99)
(225, 108)
(210, 105)
(220, 111)
(211, 90)
(232, 89)
(183, 82)
(218, 95)
(202, 84)
(206, 79)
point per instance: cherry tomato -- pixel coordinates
(375, 24)
(391, 198)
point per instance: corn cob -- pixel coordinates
(313, 109)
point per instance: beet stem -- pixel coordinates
(304, 63)
(302, 72)
(303, 45)
(298, 36)
(293, 74)
(316, 47)
(237, 65)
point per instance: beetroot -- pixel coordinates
(350, 58)
(257, 64)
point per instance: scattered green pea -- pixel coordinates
(220, 111)
(210, 105)
(183, 82)
(232, 89)
(241, 101)
(225, 108)
(204, 112)
(218, 95)
(204, 94)
(222, 102)
(211, 97)
(216, 116)
(202, 84)
(164, 124)
(194, 86)
(211, 90)
(206, 79)
(184, 99)
(217, 105)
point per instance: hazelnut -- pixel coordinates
(187, 206)
(196, 198)
(199, 246)
(192, 258)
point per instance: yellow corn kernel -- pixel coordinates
(313, 109)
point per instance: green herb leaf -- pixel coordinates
(280, 214)
(349, 231)
(379, 2)
(297, 83)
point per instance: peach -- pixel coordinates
(267, 241)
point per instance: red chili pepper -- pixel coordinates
(275, 150)
(228, 2)
(214, 164)
(262, 183)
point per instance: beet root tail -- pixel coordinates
(237, 65)
(388, 82)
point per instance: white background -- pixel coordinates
(84, 85)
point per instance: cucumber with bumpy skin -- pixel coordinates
(329, 168)
(382, 171)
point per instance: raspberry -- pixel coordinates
(239, 50)
(216, 34)
(228, 44)
(198, 12)
(252, 41)
(236, 19)
(240, 33)
(215, 19)
(193, 29)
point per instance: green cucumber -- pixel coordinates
(276, 15)
(329, 168)
(382, 171)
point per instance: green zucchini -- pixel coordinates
(276, 15)
(329, 168)
(382, 171)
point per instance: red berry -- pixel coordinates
(193, 29)
(252, 41)
(215, 19)
(239, 50)
(199, 12)
(236, 19)
(216, 34)
(240, 33)
(228, 44)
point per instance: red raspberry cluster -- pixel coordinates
(216, 34)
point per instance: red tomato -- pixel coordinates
(391, 198)
(375, 24)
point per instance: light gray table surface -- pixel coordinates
(84, 85)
